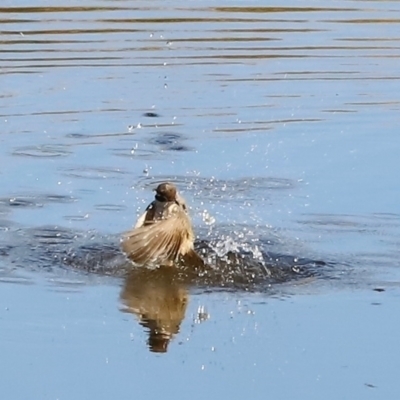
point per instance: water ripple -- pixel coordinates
(43, 151)
(216, 189)
(93, 173)
(35, 200)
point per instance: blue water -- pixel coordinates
(280, 127)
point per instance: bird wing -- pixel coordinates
(161, 241)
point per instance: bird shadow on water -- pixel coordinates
(158, 297)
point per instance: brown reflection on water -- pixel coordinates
(159, 301)
(273, 9)
(55, 9)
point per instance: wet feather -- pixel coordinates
(163, 234)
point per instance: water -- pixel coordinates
(279, 125)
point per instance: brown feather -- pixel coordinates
(163, 234)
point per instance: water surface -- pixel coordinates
(280, 126)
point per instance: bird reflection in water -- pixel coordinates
(159, 298)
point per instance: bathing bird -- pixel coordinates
(163, 235)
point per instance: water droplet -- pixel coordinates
(207, 218)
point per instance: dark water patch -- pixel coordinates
(243, 129)
(233, 271)
(159, 125)
(334, 111)
(36, 200)
(176, 20)
(151, 115)
(274, 9)
(78, 136)
(71, 112)
(98, 258)
(177, 147)
(241, 269)
(225, 39)
(21, 202)
(376, 103)
(53, 235)
(169, 141)
(110, 207)
(42, 151)
(254, 31)
(236, 267)
(57, 9)
(81, 137)
(365, 21)
(51, 248)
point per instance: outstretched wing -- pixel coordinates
(159, 242)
